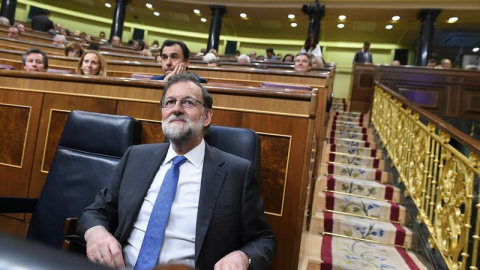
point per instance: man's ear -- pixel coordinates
(208, 117)
(187, 61)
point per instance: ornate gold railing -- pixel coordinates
(437, 177)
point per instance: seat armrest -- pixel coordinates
(17, 205)
(72, 242)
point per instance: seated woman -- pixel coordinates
(92, 63)
(73, 49)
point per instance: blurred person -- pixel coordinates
(101, 35)
(94, 46)
(253, 55)
(155, 45)
(146, 52)
(260, 58)
(42, 21)
(92, 63)
(77, 33)
(396, 63)
(20, 27)
(288, 57)
(138, 45)
(13, 32)
(58, 27)
(279, 56)
(116, 41)
(237, 53)
(203, 51)
(73, 49)
(243, 59)
(157, 59)
(363, 56)
(175, 60)
(35, 60)
(311, 48)
(59, 41)
(317, 62)
(211, 59)
(302, 62)
(271, 54)
(4, 21)
(432, 63)
(445, 63)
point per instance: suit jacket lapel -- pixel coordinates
(213, 177)
(147, 167)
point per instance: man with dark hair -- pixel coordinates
(175, 59)
(35, 60)
(271, 54)
(42, 22)
(363, 56)
(212, 215)
(138, 45)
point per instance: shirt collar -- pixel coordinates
(194, 156)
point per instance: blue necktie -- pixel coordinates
(150, 250)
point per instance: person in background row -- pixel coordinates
(146, 52)
(260, 58)
(445, 63)
(20, 27)
(432, 63)
(92, 63)
(363, 56)
(101, 35)
(93, 46)
(271, 54)
(157, 59)
(73, 49)
(288, 57)
(175, 59)
(212, 50)
(211, 59)
(35, 60)
(155, 45)
(396, 63)
(138, 45)
(59, 41)
(58, 28)
(253, 55)
(243, 59)
(13, 32)
(302, 62)
(115, 41)
(77, 33)
(42, 21)
(4, 21)
(237, 53)
(311, 48)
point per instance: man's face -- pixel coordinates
(185, 124)
(136, 46)
(58, 43)
(366, 48)
(34, 62)
(269, 54)
(171, 57)
(115, 41)
(13, 33)
(301, 63)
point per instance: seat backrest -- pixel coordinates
(241, 142)
(90, 147)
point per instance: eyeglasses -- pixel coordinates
(186, 103)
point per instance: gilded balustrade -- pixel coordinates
(439, 179)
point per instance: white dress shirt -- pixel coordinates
(179, 241)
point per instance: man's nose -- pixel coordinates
(178, 107)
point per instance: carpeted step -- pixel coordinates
(351, 136)
(357, 160)
(353, 150)
(361, 228)
(349, 128)
(350, 142)
(348, 254)
(353, 119)
(355, 172)
(350, 113)
(360, 207)
(349, 123)
(366, 188)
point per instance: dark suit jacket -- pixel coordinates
(360, 57)
(41, 23)
(230, 211)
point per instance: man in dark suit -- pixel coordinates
(216, 219)
(42, 22)
(363, 56)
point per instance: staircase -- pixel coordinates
(357, 219)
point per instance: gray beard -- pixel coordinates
(180, 134)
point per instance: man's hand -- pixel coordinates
(236, 260)
(179, 69)
(103, 248)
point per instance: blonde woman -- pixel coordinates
(92, 63)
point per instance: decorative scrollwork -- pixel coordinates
(417, 167)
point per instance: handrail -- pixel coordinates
(439, 179)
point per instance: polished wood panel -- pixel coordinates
(444, 92)
(14, 121)
(362, 87)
